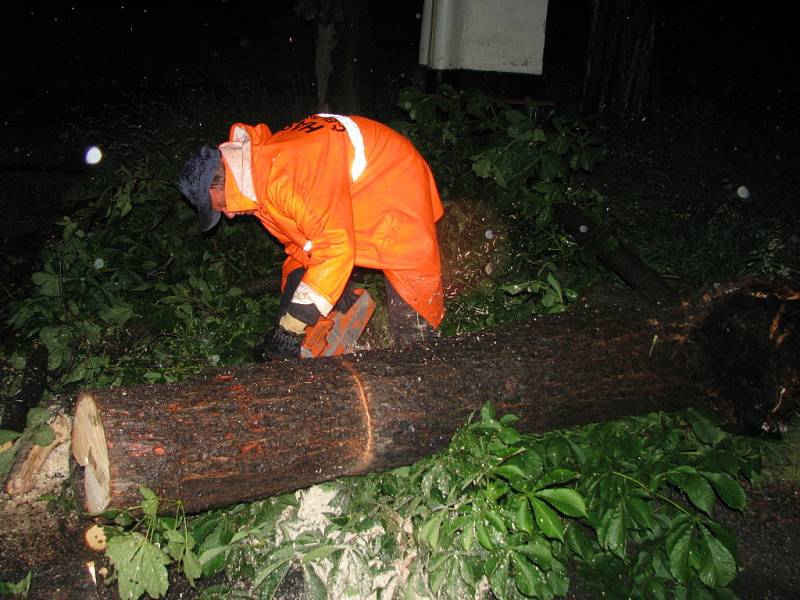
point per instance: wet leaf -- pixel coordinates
(43, 436)
(565, 500)
(527, 577)
(679, 548)
(140, 566)
(6, 435)
(611, 532)
(641, 512)
(728, 489)
(696, 488)
(36, 416)
(717, 564)
(546, 519)
(523, 518)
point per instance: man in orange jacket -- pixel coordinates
(337, 192)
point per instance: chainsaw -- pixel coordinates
(337, 333)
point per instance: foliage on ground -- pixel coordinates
(628, 505)
(525, 158)
(132, 293)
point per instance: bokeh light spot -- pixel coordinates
(93, 155)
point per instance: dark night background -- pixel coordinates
(72, 61)
(722, 104)
(722, 112)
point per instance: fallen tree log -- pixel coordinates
(256, 431)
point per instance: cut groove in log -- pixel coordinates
(261, 430)
(91, 452)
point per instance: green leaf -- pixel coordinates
(280, 562)
(209, 555)
(510, 471)
(723, 535)
(611, 532)
(488, 413)
(176, 543)
(529, 462)
(438, 569)
(728, 489)
(36, 416)
(47, 283)
(483, 535)
(468, 536)
(268, 583)
(717, 566)
(546, 519)
(150, 502)
(482, 166)
(322, 551)
(508, 419)
(565, 500)
(527, 577)
(43, 436)
(314, 587)
(509, 435)
(556, 476)
(640, 511)
(578, 541)
(523, 518)
(540, 552)
(696, 488)
(498, 574)
(116, 315)
(429, 532)
(6, 435)
(679, 542)
(140, 566)
(19, 589)
(192, 567)
(703, 427)
(7, 459)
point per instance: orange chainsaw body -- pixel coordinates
(337, 333)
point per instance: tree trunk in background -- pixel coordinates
(262, 430)
(349, 88)
(342, 60)
(323, 63)
(619, 58)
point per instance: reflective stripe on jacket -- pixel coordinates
(335, 203)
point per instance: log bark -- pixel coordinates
(251, 432)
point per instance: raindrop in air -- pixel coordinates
(93, 155)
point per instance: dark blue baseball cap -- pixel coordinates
(194, 181)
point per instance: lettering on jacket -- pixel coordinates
(312, 124)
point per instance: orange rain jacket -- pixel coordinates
(340, 192)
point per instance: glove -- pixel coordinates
(277, 344)
(285, 340)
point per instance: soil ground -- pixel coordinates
(706, 134)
